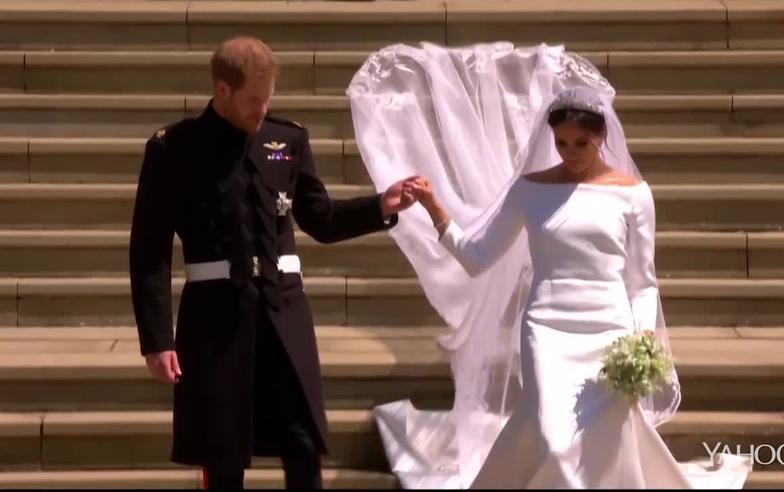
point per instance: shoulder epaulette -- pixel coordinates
(282, 121)
(181, 127)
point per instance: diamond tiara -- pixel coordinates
(569, 100)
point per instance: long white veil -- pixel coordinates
(472, 120)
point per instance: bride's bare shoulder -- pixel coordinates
(556, 175)
(617, 178)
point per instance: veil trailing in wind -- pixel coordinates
(472, 120)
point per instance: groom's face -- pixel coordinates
(247, 106)
(577, 146)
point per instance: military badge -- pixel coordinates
(277, 151)
(283, 203)
(277, 146)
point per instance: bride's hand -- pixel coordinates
(423, 191)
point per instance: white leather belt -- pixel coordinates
(214, 270)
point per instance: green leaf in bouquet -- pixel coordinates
(636, 365)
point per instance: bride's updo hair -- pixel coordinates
(580, 105)
(588, 120)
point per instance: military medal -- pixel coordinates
(277, 151)
(284, 203)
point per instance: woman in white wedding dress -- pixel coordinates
(549, 217)
(591, 232)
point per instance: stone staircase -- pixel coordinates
(83, 84)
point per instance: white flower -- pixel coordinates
(636, 365)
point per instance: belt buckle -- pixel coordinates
(256, 266)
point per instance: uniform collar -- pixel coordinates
(224, 129)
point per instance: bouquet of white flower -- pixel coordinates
(636, 365)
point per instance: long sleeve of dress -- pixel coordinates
(477, 255)
(642, 284)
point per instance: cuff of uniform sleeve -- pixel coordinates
(388, 222)
(156, 346)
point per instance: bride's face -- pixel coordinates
(577, 146)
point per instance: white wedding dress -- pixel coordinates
(535, 279)
(592, 249)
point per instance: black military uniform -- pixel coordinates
(251, 380)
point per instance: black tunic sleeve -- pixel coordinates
(152, 233)
(328, 220)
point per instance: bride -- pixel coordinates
(543, 255)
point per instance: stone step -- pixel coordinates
(134, 24)
(691, 435)
(691, 72)
(765, 480)
(657, 72)
(107, 205)
(142, 439)
(74, 253)
(99, 368)
(341, 339)
(121, 339)
(98, 301)
(105, 253)
(118, 336)
(726, 207)
(179, 25)
(117, 160)
(752, 24)
(709, 160)
(329, 116)
(718, 71)
(118, 115)
(182, 478)
(748, 24)
(255, 479)
(765, 261)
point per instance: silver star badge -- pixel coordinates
(283, 203)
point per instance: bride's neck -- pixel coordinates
(590, 173)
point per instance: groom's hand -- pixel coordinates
(164, 366)
(398, 197)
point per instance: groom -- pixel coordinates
(244, 364)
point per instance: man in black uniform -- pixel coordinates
(245, 360)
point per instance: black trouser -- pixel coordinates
(301, 465)
(301, 460)
(223, 477)
(285, 412)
